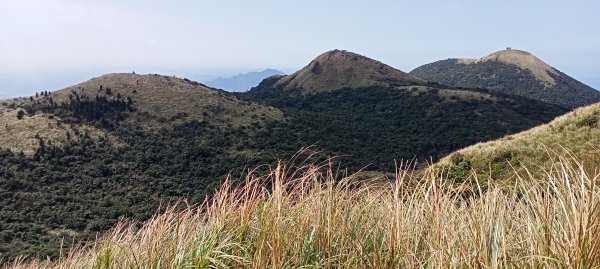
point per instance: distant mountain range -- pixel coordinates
(514, 72)
(242, 82)
(74, 161)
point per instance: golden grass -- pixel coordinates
(167, 97)
(20, 135)
(449, 95)
(465, 95)
(312, 217)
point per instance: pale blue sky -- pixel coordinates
(54, 43)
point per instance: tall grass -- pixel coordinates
(313, 217)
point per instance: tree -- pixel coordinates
(316, 68)
(20, 114)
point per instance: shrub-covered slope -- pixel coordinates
(376, 125)
(74, 161)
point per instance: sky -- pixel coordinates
(50, 44)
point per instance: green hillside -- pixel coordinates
(377, 125)
(115, 146)
(575, 134)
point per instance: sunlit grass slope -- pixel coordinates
(314, 217)
(576, 133)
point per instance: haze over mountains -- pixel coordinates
(17, 84)
(242, 82)
(74, 161)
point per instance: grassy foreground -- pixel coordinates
(313, 217)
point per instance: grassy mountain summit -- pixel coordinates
(524, 60)
(339, 69)
(164, 97)
(511, 71)
(158, 100)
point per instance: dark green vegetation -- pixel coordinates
(103, 111)
(155, 139)
(379, 124)
(85, 186)
(502, 77)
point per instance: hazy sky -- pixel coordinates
(49, 42)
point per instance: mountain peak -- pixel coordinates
(523, 60)
(514, 72)
(339, 55)
(337, 69)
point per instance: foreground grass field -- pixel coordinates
(313, 217)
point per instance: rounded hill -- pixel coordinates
(514, 72)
